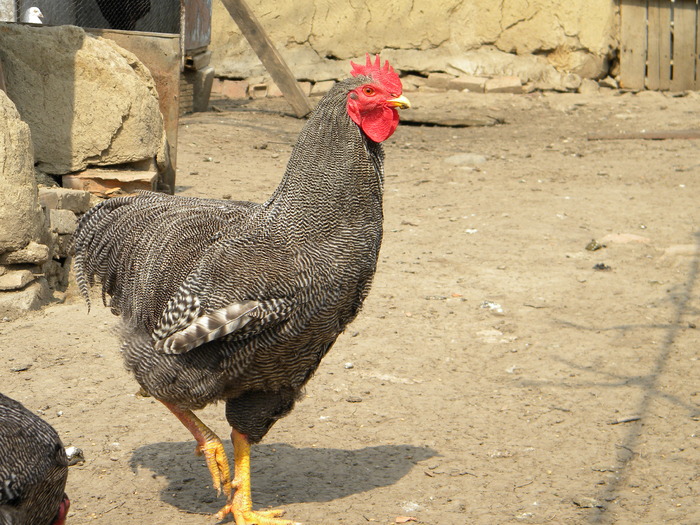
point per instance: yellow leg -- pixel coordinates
(210, 446)
(241, 504)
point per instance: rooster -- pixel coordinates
(33, 468)
(239, 302)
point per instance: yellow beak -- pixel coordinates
(399, 102)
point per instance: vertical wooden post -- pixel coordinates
(269, 56)
(2, 79)
(633, 43)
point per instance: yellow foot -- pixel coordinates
(254, 517)
(217, 462)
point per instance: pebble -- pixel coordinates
(465, 159)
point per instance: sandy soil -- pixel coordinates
(494, 375)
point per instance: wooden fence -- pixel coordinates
(660, 44)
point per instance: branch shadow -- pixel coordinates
(281, 474)
(681, 298)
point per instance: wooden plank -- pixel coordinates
(697, 49)
(684, 16)
(633, 40)
(665, 45)
(654, 38)
(268, 55)
(659, 45)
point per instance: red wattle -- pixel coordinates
(378, 124)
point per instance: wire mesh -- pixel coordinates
(159, 16)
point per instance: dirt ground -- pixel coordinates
(494, 376)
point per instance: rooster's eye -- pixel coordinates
(368, 91)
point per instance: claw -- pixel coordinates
(240, 504)
(217, 462)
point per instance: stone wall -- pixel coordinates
(536, 40)
(73, 101)
(36, 222)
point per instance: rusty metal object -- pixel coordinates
(197, 30)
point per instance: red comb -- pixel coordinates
(385, 74)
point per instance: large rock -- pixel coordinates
(21, 219)
(86, 100)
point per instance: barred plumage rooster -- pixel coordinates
(237, 301)
(33, 468)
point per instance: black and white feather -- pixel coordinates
(239, 301)
(33, 467)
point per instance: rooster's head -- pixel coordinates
(372, 106)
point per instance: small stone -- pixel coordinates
(77, 201)
(257, 91)
(32, 253)
(354, 399)
(571, 81)
(413, 82)
(465, 159)
(469, 82)
(62, 245)
(509, 84)
(608, 82)
(16, 280)
(62, 221)
(323, 87)
(31, 297)
(588, 503)
(588, 87)
(439, 80)
(348, 365)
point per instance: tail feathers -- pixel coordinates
(209, 327)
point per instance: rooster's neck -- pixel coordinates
(333, 170)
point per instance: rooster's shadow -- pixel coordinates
(281, 474)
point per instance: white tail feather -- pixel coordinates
(209, 327)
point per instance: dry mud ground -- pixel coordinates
(496, 376)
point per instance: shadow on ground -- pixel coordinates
(281, 473)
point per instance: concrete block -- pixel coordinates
(32, 253)
(16, 280)
(509, 84)
(62, 221)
